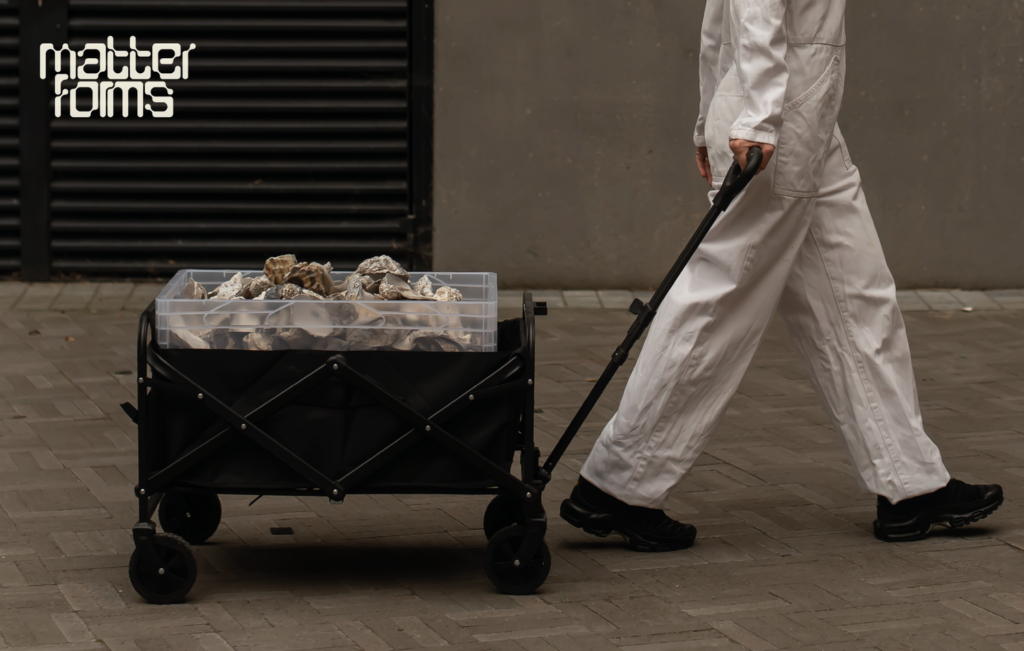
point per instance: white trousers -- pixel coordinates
(819, 261)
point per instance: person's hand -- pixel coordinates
(739, 151)
(703, 164)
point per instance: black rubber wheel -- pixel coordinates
(193, 516)
(504, 510)
(165, 572)
(500, 563)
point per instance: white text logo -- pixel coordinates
(107, 71)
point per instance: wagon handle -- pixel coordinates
(735, 182)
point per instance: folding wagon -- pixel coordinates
(328, 423)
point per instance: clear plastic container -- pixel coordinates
(247, 324)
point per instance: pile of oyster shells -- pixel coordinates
(285, 278)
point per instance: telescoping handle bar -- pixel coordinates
(735, 182)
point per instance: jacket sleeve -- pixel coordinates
(710, 51)
(759, 41)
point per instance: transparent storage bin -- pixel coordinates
(327, 325)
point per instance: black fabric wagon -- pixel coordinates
(331, 424)
(326, 423)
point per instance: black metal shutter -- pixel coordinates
(291, 135)
(10, 208)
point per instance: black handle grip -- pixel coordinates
(736, 180)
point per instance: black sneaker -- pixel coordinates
(645, 530)
(955, 505)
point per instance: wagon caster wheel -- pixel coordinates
(511, 575)
(164, 572)
(193, 516)
(504, 510)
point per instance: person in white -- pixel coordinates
(799, 239)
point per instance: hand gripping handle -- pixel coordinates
(736, 180)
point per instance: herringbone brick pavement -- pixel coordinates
(784, 557)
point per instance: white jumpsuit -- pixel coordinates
(800, 238)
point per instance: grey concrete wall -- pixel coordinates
(563, 153)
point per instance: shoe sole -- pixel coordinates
(919, 527)
(603, 525)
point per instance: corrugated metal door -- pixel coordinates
(291, 134)
(10, 211)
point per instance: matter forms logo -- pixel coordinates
(99, 74)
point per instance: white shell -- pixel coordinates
(193, 290)
(423, 287)
(229, 289)
(447, 294)
(253, 287)
(189, 339)
(381, 264)
(258, 341)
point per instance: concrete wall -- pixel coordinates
(563, 152)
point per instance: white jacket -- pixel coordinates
(772, 67)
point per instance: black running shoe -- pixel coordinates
(645, 530)
(955, 505)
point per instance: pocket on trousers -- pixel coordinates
(807, 128)
(726, 106)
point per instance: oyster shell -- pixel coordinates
(312, 276)
(423, 287)
(258, 341)
(188, 339)
(370, 338)
(393, 288)
(280, 293)
(223, 340)
(434, 341)
(277, 268)
(291, 338)
(253, 287)
(193, 290)
(339, 296)
(309, 295)
(354, 287)
(447, 294)
(229, 289)
(381, 264)
(371, 283)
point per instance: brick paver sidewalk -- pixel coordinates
(784, 557)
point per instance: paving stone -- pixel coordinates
(644, 295)
(940, 300)
(909, 301)
(976, 300)
(614, 299)
(585, 298)
(142, 295)
(1011, 299)
(75, 296)
(38, 296)
(552, 297)
(10, 292)
(111, 296)
(510, 298)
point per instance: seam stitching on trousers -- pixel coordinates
(896, 462)
(655, 435)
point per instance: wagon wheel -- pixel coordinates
(193, 516)
(504, 510)
(512, 575)
(164, 571)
